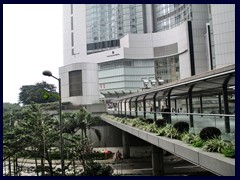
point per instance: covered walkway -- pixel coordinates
(206, 99)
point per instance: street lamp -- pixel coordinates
(48, 73)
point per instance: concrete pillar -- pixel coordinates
(126, 147)
(225, 102)
(144, 106)
(157, 161)
(154, 106)
(191, 104)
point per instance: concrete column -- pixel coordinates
(191, 104)
(154, 106)
(125, 107)
(157, 161)
(126, 147)
(130, 107)
(225, 102)
(144, 106)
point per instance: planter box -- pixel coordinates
(214, 162)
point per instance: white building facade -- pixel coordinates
(109, 48)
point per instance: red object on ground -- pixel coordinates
(108, 152)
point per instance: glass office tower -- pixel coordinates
(107, 23)
(128, 42)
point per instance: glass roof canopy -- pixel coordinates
(207, 83)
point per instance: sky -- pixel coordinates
(32, 43)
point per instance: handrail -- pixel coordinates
(176, 113)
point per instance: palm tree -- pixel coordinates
(81, 120)
(73, 122)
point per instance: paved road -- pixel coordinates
(173, 166)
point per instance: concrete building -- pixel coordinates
(112, 47)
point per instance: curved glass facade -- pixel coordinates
(107, 23)
(167, 16)
(167, 68)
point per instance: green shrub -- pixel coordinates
(123, 120)
(192, 139)
(188, 138)
(142, 119)
(97, 169)
(169, 131)
(150, 128)
(181, 126)
(161, 123)
(149, 121)
(130, 117)
(197, 141)
(229, 150)
(209, 133)
(136, 123)
(100, 155)
(214, 145)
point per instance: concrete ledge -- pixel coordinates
(214, 162)
(186, 151)
(152, 138)
(143, 135)
(134, 131)
(166, 144)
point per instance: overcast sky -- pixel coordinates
(32, 42)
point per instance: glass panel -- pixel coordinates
(75, 83)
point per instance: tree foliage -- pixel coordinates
(39, 93)
(80, 120)
(9, 107)
(30, 132)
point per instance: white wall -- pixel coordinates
(89, 83)
(223, 21)
(79, 30)
(200, 18)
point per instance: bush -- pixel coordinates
(97, 169)
(197, 141)
(192, 139)
(160, 123)
(169, 131)
(229, 150)
(181, 126)
(119, 115)
(130, 117)
(214, 145)
(149, 121)
(136, 123)
(209, 133)
(142, 119)
(100, 155)
(150, 128)
(188, 138)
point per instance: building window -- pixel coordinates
(167, 68)
(75, 83)
(72, 23)
(72, 39)
(71, 8)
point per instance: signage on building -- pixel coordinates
(113, 54)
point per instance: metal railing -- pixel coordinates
(200, 120)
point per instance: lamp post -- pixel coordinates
(48, 73)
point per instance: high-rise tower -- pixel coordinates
(109, 48)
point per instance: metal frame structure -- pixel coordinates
(216, 82)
